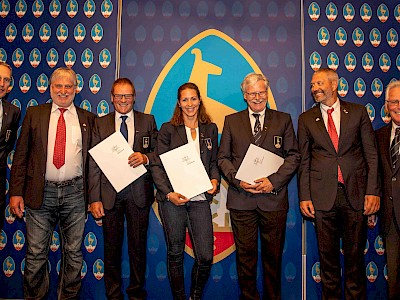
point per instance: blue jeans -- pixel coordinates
(196, 216)
(66, 206)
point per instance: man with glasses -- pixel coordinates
(388, 138)
(48, 182)
(9, 120)
(338, 183)
(133, 202)
(260, 207)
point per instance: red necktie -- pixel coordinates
(335, 139)
(59, 145)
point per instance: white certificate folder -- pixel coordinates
(111, 155)
(185, 171)
(258, 163)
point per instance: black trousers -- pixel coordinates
(245, 225)
(342, 221)
(137, 220)
(392, 241)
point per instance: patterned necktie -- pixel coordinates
(335, 139)
(257, 129)
(59, 145)
(124, 127)
(394, 148)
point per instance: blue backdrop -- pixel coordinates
(215, 44)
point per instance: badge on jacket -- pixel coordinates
(277, 141)
(8, 134)
(208, 143)
(146, 142)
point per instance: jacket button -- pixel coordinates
(394, 178)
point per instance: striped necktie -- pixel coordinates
(257, 129)
(394, 148)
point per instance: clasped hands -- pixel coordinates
(262, 185)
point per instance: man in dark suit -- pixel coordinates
(133, 202)
(338, 183)
(9, 120)
(263, 205)
(48, 182)
(388, 138)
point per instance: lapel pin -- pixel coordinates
(317, 119)
(345, 111)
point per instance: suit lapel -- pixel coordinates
(136, 121)
(6, 117)
(44, 125)
(344, 121)
(181, 130)
(245, 119)
(265, 128)
(319, 122)
(385, 145)
(84, 130)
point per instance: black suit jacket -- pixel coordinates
(277, 137)
(357, 156)
(8, 135)
(142, 191)
(171, 137)
(29, 164)
(390, 179)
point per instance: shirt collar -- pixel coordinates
(261, 113)
(129, 115)
(71, 108)
(335, 106)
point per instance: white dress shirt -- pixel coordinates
(253, 119)
(129, 123)
(335, 115)
(197, 146)
(73, 149)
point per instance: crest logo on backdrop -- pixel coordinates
(211, 60)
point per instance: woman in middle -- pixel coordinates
(190, 123)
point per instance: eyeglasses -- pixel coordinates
(5, 79)
(127, 97)
(66, 86)
(191, 98)
(253, 95)
(393, 102)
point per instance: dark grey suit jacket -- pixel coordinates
(357, 156)
(8, 135)
(171, 137)
(29, 164)
(390, 179)
(142, 190)
(277, 137)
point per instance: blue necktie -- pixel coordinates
(124, 127)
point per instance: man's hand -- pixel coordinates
(251, 188)
(307, 208)
(177, 199)
(17, 206)
(214, 190)
(97, 209)
(371, 204)
(137, 159)
(265, 185)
